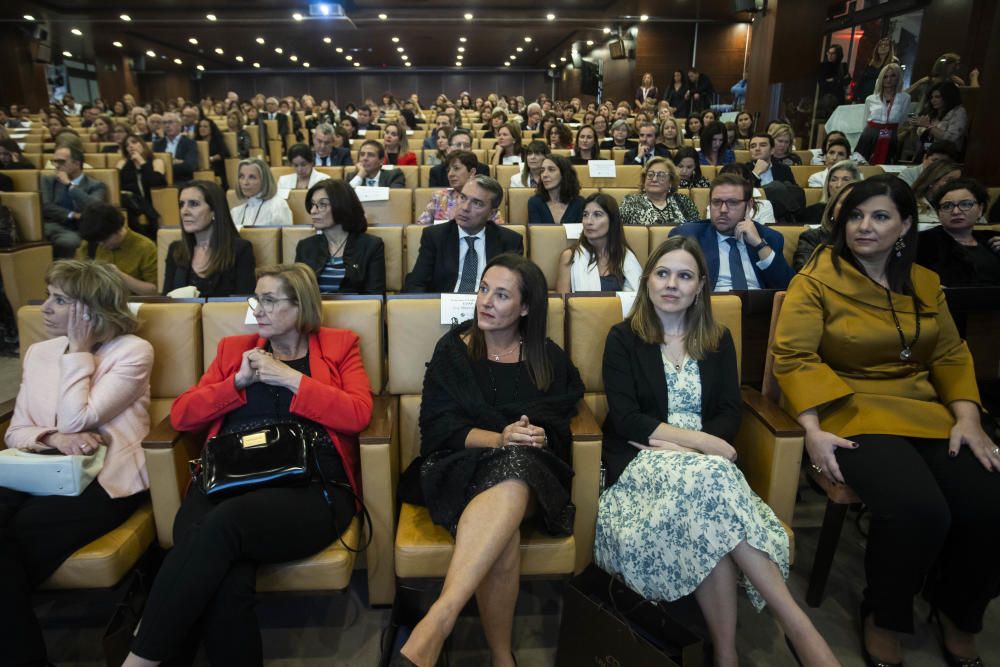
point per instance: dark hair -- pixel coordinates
(763, 135)
(11, 146)
(930, 175)
(979, 193)
(221, 247)
(834, 134)
(532, 327)
(147, 152)
(688, 151)
(75, 153)
(839, 52)
(595, 152)
(565, 136)
(457, 131)
(838, 141)
(569, 184)
(737, 124)
(617, 245)
(345, 207)
(300, 150)
(214, 133)
(98, 221)
(466, 158)
(353, 121)
(729, 178)
(379, 148)
(950, 96)
(897, 270)
(709, 131)
(943, 147)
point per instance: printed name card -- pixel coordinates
(573, 229)
(457, 308)
(627, 299)
(366, 193)
(512, 159)
(602, 168)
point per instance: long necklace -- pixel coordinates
(517, 378)
(336, 250)
(496, 357)
(907, 350)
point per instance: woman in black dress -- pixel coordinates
(217, 149)
(495, 443)
(139, 171)
(961, 255)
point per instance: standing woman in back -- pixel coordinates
(885, 110)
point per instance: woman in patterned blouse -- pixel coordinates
(658, 202)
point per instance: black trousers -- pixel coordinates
(37, 533)
(935, 524)
(206, 587)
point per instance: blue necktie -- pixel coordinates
(371, 182)
(66, 200)
(470, 268)
(739, 278)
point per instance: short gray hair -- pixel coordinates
(324, 128)
(850, 166)
(620, 123)
(269, 186)
(492, 186)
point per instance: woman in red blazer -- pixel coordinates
(291, 370)
(397, 148)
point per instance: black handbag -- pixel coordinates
(272, 454)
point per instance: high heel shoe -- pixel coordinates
(950, 658)
(871, 661)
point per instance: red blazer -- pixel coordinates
(408, 158)
(336, 395)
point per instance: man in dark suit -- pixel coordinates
(700, 91)
(64, 196)
(365, 121)
(459, 140)
(371, 156)
(453, 254)
(741, 254)
(326, 154)
(273, 113)
(532, 118)
(647, 147)
(183, 150)
(763, 169)
(189, 121)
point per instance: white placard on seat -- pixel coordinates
(602, 168)
(626, 298)
(512, 159)
(573, 229)
(376, 193)
(457, 308)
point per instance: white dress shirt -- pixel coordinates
(288, 181)
(463, 247)
(172, 144)
(725, 280)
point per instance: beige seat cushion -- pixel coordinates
(329, 570)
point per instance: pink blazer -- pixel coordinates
(107, 392)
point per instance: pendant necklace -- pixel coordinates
(907, 350)
(496, 357)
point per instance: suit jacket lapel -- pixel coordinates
(450, 260)
(710, 246)
(652, 368)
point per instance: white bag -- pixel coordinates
(49, 474)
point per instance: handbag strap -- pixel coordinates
(366, 517)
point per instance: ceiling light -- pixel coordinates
(552, 65)
(279, 50)
(257, 65)
(327, 40)
(294, 58)
(77, 32)
(459, 57)
(406, 65)
(590, 42)
(563, 59)
(405, 57)
(178, 61)
(527, 39)
(200, 68)
(357, 64)
(151, 53)
(67, 54)
(461, 49)
(192, 40)
(513, 57)
(239, 59)
(348, 58)
(519, 49)
(306, 65)
(383, 17)
(29, 17)
(211, 17)
(462, 39)
(550, 17)
(339, 49)
(297, 16)
(395, 40)
(125, 17)
(644, 17)
(260, 40)
(458, 63)
(118, 44)
(506, 63)
(219, 50)
(400, 49)
(607, 30)
(468, 16)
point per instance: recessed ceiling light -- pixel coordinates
(383, 17)
(211, 17)
(468, 16)
(294, 58)
(607, 30)
(513, 57)
(395, 40)
(77, 32)
(297, 16)
(239, 59)
(219, 50)
(348, 58)
(29, 17)
(125, 17)
(461, 49)
(151, 53)
(406, 65)
(178, 61)
(257, 65)
(357, 64)
(644, 17)
(563, 59)
(552, 65)
(67, 54)
(462, 39)
(200, 68)
(339, 49)
(458, 63)
(405, 57)
(459, 57)
(527, 39)
(118, 44)
(279, 50)
(260, 40)
(306, 65)
(519, 49)
(550, 17)
(192, 40)
(590, 42)
(506, 63)
(400, 49)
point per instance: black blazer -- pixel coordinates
(439, 174)
(659, 150)
(339, 157)
(436, 269)
(187, 152)
(237, 281)
(364, 261)
(636, 387)
(939, 252)
(778, 170)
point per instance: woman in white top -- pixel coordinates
(885, 109)
(600, 260)
(257, 192)
(527, 176)
(301, 158)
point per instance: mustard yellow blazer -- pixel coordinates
(836, 348)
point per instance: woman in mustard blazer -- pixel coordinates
(869, 359)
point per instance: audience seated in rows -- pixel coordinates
(585, 147)
(528, 176)
(835, 178)
(396, 146)
(218, 152)
(12, 157)
(783, 148)
(508, 148)
(600, 259)
(301, 159)
(462, 165)
(764, 168)
(183, 150)
(64, 196)
(646, 148)
(139, 172)
(939, 150)
(371, 172)
(927, 184)
(837, 150)
(688, 168)
(820, 235)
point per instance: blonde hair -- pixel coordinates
(300, 283)
(782, 129)
(672, 173)
(101, 289)
(881, 75)
(679, 139)
(703, 332)
(404, 144)
(268, 186)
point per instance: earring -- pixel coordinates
(898, 246)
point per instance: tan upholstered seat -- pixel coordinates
(391, 235)
(397, 211)
(266, 242)
(25, 180)
(412, 235)
(791, 234)
(547, 242)
(423, 549)
(803, 172)
(23, 266)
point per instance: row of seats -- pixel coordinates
(398, 335)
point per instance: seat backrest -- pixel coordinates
(397, 211)
(165, 202)
(100, 160)
(164, 237)
(503, 173)
(804, 171)
(517, 205)
(626, 176)
(791, 234)
(700, 198)
(422, 197)
(813, 195)
(411, 173)
(110, 179)
(25, 180)
(769, 385)
(411, 240)
(618, 193)
(336, 173)
(869, 170)
(26, 207)
(174, 331)
(283, 170)
(360, 314)
(413, 325)
(297, 203)
(266, 242)
(547, 242)
(425, 175)
(203, 155)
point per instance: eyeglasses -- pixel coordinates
(728, 203)
(657, 176)
(321, 206)
(266, 303)
(964, 205)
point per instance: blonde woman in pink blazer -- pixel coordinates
(84, 387)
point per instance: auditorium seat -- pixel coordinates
(700, 198)
(618, 155)
(391, 235)
(485, 144)
(266, 242)
(397, 211)
(803, 172)
(626, 176)
(813, 195)
(25, 180)
(422, 549)
(168, 166)
(23, 266)
(412, 234)
(869, 170)
(546, 243)
(791, 234)
(424, 179)
(421, 198)
(619, 194)
(503, 173)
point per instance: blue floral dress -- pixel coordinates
(672, 516)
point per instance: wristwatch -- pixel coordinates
(760, 246)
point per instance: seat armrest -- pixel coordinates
(167, 454)
(587, 439)
(379, 466)
(6, 414)
(769, 450)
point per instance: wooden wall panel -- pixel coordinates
(22, 81)
(662, 48)
(720, 54)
